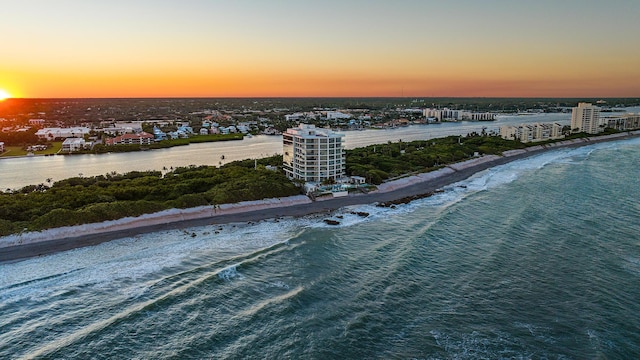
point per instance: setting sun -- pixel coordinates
(4, 95)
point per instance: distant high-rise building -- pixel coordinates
(586, 118)
(313, 155)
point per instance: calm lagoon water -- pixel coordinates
(18, 172)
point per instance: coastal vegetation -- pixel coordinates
(81, 200)
(377, 163)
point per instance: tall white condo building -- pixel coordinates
(586, 118)
(313, 155)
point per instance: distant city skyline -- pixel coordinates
(251, 48)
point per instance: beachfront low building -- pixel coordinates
(532, 132)
(623, 123)
(313, 155)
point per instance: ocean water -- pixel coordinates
(535, 259)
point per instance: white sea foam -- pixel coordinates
(162, 217)
(279, 285)
(484, 180)
(507, 173)
(141, 255)
(138, 256)
(488, 179)
(229, 273)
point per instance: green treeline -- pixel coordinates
(380, 162)
(82, 200)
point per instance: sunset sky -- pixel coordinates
(414, 48)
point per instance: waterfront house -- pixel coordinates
(159, 134)
(74, 144)
(185, 129)
(243, 128)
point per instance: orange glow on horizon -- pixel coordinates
(394, 75)
(4, 95)
(313, 79)
(321, 84)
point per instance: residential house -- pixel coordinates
(159, 134)
(74, 144)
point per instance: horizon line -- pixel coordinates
(315, 97)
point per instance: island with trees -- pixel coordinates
(83, 200)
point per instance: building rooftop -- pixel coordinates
(310, 131)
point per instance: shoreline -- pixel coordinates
(60, 153)
(27, 245)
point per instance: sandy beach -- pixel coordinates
(26, 245)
